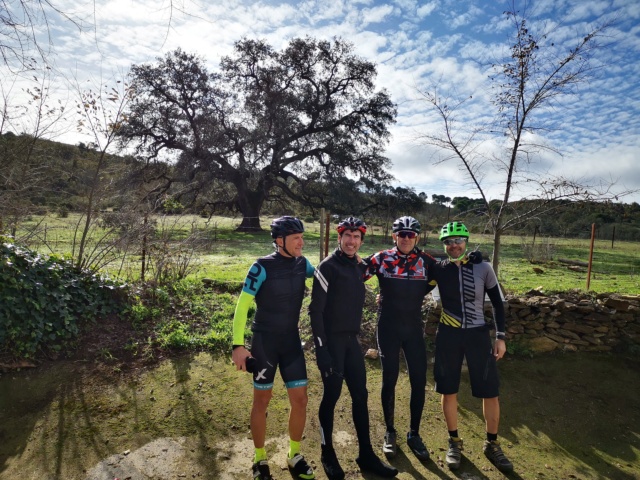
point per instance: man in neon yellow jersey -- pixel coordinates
(276, 283)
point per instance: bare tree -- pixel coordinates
(101, 116)
(20, 22)
(25, 34)
(530, 81)
(25, 160)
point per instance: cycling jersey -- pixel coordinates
(277, 283)
(337, 300)
(462, 294)
(403, 283)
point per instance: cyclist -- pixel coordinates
(337, 300)
(463, 333)
(402, 276)
(276, 282)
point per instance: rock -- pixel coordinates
(542, 345)
(372, 353)
(574, 327)
(617, 304)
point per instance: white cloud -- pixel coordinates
(416, 44)
(375, 15)
(426, 9)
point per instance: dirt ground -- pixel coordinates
(115, 413)
(171, 458)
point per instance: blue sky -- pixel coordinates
(416, 45)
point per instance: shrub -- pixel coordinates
(63, 212)
(45, 299)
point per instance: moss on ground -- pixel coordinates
(564, 417)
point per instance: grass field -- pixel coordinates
(225, 255)
(565, 416)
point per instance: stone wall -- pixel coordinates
(568, 321)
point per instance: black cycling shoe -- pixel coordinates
(330, 464)
(417, 446)
(494, 453)
(300, 468)
(368, 461)
(261, 471)
(389, 447)
(454, 454)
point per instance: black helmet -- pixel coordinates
(406, 223)
(352, 223)
(283, 226)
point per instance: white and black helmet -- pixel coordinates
(406, 223)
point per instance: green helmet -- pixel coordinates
(454, 229)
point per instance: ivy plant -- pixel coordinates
(45, 299)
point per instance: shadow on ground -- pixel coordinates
(573, 416)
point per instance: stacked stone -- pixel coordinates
(569, 321)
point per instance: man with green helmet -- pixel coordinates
(464, 333)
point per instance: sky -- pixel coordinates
(417, 46)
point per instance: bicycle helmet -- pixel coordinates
(352, 223)
(454, 229)
(406, 223)
(283, 226)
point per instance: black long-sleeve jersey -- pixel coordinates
(403, 282)
(337, 297)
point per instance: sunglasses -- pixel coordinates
(407, 234)
(454, 241)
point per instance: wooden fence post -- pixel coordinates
(326, 237)
(321, 244)
(593, 233)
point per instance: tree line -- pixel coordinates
(53, 178)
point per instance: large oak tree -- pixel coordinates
(267, 120)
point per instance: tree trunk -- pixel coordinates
(250, 204)
(496, 250)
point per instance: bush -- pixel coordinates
(45, 299)
(63, 212)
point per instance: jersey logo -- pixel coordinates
(261, 375)
(252, 277)
(469, 295)
(449, 320)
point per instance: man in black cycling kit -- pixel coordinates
(276, 283)
(463, 333)
(336, 306)
(402, 277)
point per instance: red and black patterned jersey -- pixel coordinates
(403, 282)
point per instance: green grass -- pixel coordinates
(563, 416)
(226, 255)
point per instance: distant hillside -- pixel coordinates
(42, 176)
